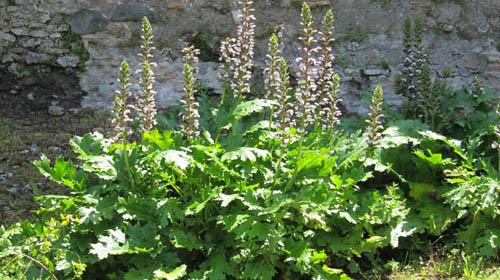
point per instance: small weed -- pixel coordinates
(202, 42)
(439, 29)
(22, 74)
(384, 63)
(356, 36)
(263, 34)
(383, 3)
(498, 47)
(447, 72)
(343, 61)
(74, 42)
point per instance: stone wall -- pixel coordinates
(462, 37)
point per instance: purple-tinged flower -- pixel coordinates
(121, 109)
(374, 121)
(146, 107)
(190, 116)
(306, 93)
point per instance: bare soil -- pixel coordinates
(27, 130)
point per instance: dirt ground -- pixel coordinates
(27, 130)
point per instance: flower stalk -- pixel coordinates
(328, 83)
(190, 116)
(375, 116)
(121, 120)
(244, 50)
(146, 107)
(306, 92)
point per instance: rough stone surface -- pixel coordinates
(133, 12)
(36, 58)
(68, 61)
(88, 22)
(55, 110)
(7, 37)
(460, 39)
(39, 34)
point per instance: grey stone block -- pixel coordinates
(88, 22)
(133, 12)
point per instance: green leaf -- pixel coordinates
(62, 173)
(231, 222)
(142, 272)
(142, 238)
(402, 132)
(89, 145)
(260, 270)
(319, 257)
(177, 273)
(164, 142)
(264, 124)
(489, 243)
(400, 231)
(335, 272)
(102, 166)
(218, 265)
(249, 107)
(375, 239)
(226, 199)
(112, 244)
(245, 154)
(311, 159)
(437, 216)
(185, 239)
(422, 191)
(179, 159)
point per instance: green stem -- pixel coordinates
(271, 119)
(235, 126)
(299, 155)
(127, 164)
(278, 166)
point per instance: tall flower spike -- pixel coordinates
(325, 73)
(227, 55)
(306, 92)
(420, 55)
(284, 114)
(418, 33)
(190, 116)
(272, 69)
(375, 116)
(478, 89)
(146, 98)
(408, 38)
(330, 110)
(121, 108)
(244, 50)
(406, 78)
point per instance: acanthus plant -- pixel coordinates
(146, 107)
(306, 94)
(328, 81)
(246, 205)
(190, 116)
(375, 117)
(122, 108)
(409, 82)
